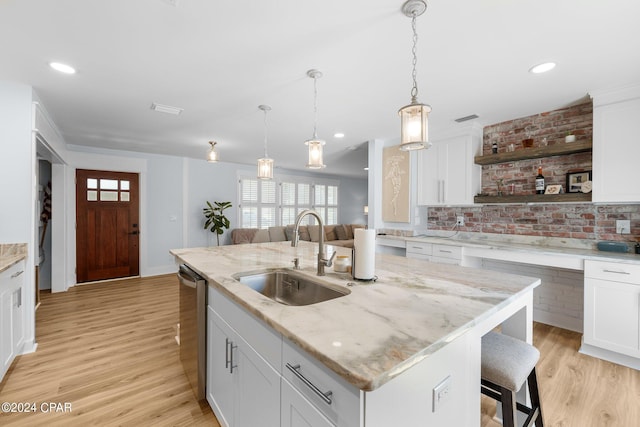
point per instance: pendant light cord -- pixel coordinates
(315, 108)
(265, 134)
(414, 89)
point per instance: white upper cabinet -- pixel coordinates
(447, 174)
(615, 145)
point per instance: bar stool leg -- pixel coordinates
(532, 382)
(509, 412)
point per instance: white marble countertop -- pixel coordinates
(11, 253)
(380, 329)
(542, 246)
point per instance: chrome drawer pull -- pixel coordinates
(14, 275)
(445, 252)
(316, 390)
(617, 272)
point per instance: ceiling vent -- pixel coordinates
(166, 109)
(467, 118)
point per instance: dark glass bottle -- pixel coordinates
(540, 182)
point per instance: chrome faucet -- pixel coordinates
(322, 262)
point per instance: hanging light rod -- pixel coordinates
(315, 144)
(265, 164)
(414, 117)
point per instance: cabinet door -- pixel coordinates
(220, 385)
(16, 317)
(457, 173)
(298, 411)
(6, 330)
(258, 395)
(430, 184)
(612, 316)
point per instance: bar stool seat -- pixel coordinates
(506, 364)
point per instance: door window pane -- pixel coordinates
(124, 185)
(92, 195)
(109, 196)
(92, 183)
(124, 196)
(108, 184)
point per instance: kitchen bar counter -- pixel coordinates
(380, 329)
(11, 253)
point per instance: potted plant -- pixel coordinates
(570, 137)
(216, 222)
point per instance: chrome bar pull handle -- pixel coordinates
(16, 274)
(615, 271)
(231, 365)
(226, 353)
(323, 395)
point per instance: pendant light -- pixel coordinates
(265, 164)
(212, 157)
(315, 144)
(413, 117)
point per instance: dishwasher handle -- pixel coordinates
(188, 277)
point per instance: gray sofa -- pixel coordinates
(337, 234)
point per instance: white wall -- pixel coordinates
(17, 187)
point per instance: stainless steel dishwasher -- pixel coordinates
(193, 328)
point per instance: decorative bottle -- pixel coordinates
(540, 181)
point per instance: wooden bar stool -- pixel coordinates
(506, 364)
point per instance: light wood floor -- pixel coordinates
(578, 390)
(108, 349)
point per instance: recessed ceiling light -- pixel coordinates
(166, 108)
(338, 135)
(542, 68)
(63, 68)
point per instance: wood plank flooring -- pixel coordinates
(578, 390)
(108, 349)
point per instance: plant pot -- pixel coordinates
(527, 143)
(570, 138)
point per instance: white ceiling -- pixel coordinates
(218, 60)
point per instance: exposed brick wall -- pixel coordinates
(553, 126)
(568, 220)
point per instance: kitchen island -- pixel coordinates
(388, 343)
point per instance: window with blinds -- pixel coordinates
(264, 204)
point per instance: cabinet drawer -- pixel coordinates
(314, 378)
(446, 251)
(613, 271)
(418, 256)
(419, 248)
(265, 341)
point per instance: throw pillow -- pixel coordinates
(341, 233)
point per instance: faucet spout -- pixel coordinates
(322, 262)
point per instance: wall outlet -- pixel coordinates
(441, 393)
(623, 226)
(460, 220)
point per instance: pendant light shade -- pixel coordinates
(265, 164)
(414, 118)
(212, 156)
(315, 144)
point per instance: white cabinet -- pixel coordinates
(419, 250)
(447, 254)
(447, 174)
(612, 307)
(242, 387)
(298, 411)
(11, 315)
(615, 152)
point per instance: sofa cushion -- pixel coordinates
(288, 231)
(330, 232)
(261, 236)
(276, 234)
(314, 232)
(354, 227)
(341, 232)
(243, 235)
(304, 233)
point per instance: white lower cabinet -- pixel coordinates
(11, 315)
(297, 411)
(446, 254)
(242, 388)
(612, 307)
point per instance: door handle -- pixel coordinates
(133, 233)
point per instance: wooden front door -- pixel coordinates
(107, 227)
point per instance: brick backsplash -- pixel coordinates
(567, 220)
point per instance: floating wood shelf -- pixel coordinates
(534, 153)
(535, 198)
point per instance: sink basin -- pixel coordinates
(289, 287)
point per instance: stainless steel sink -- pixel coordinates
(289, 287)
